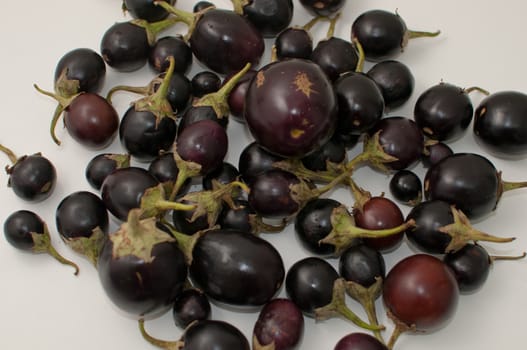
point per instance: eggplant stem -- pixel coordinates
(505, 257)
(312, 22)
(10, 154)
(162, 344)
(332, 25)
(476, 88)
(142, 90)
(412, 34)
(338, 307)
(508, 186)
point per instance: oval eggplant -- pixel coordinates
(236, 267)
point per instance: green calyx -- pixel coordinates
(137, 237)
(42, 244)
(90, 247)
(157, 103)
(462, 232)
(66, 87)
(345, 232)
(218, 100)
(210, 203)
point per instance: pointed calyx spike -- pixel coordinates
(462, 232)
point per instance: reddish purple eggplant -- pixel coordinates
(280, 326)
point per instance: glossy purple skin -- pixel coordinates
(19, 226)
(406, 187)
(421, 290)
(236, 268)
(471, 266)
(236, 98)
(33, 178)
(255, 160)
(225, 42)
(91, 120)
(213, 334)
(293, 43)
(146, 9)
(309, 284)
(468, 180)
(270, 17)
(124, 47)
(271, 195)
(291, 108)
(144, 136)
(140, 288)
(84, 65)
(359, 341)
(360, 103)
(362, 264)
(79, 213)
(395, 80)
(401, 138)
(429, 216)
(98, 168)
(444, 112)
(323, 7)
(205, 143)
(123, 189)
(335, 56)
(313, 223)
(380, 213)
(434, 153)
(500, 124)
(281, 323)
(205, 82)
(190, 305)
(167, 46)
(333, 151)
(381, 34)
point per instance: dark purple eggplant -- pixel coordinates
(141, 268)
(233, 267)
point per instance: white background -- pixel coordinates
(44, 306)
